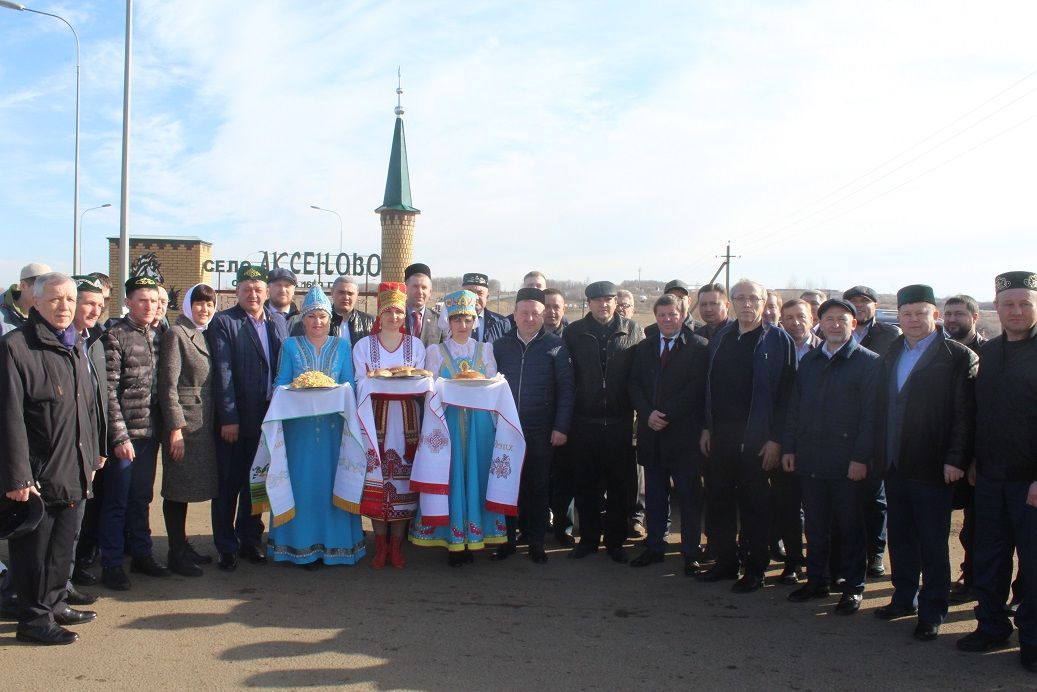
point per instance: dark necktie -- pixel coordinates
(416, 317)
(666, 352)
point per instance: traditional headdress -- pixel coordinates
(1017, 279)
(315, 300)
(390, 294)
(460, 303)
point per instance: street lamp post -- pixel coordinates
(331, 211)
(79, 239)
(75, 167)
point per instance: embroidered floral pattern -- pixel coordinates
(474, 529)
(435, 440)
(458, 533)
(372, 460)
(501, 466)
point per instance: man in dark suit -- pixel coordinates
(346, 320)
(245, 342)
(422, 321)
(489, 325)
(876, 337)
(924, 441)
(667, 387)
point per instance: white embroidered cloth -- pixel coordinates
(379, 385)
(431, 472)
(270, 483)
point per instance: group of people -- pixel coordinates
(761, 423)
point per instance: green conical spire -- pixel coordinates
(397, 182)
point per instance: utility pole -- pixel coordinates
(726, 267)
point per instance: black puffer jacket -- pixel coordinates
(541, 378)
(1006, 418)
(48, 434)
(601, 393)
(131, 357)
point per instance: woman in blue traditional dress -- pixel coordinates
(319, 531)
(470, 526)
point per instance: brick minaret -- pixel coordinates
(396, 211)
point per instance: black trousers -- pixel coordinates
(738, 494)
(534, 490)
(42, 558)
(787, 504)
(838, 504)
(562, 487)
(603, 465)
(88, 530)
(233, 524)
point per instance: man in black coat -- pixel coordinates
(876, 337)
(924, 442)
(537, 366)
(245, 342)
(49, 447)
(667, 388)
(829, 442)
(1006, 470)
(601, 346)
(346, 320)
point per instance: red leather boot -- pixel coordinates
(381, 551)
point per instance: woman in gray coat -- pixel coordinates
(189, 448)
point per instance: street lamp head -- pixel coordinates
(104, 206)
(314, 206)
(11, 5)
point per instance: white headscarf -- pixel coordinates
(187, 311)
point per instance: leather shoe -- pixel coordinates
(537, 553)
(71, 616)
(148, 565)
(849, 604)
(691, 568)
(76, 597)
(228, 562)
(790, 575)
(618, 555)
(648, 557)
(960, 593)
(196, 557)
(980, 641)
(810, 591)
(717, 573)
(875, 567)
(892, 611)
(925, 632)
(582, 550)
(48, 636)
(80, 577)
(562, 538)
(503, 552)
(252, 554)
(87, 557)
(115, 578)
(748, 583)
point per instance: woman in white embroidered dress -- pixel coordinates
(387, 499)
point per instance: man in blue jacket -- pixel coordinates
(751, 371)
(245, 341)
(829, 443)
(536, 365)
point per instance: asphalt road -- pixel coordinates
(567, 625)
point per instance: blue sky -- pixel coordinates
(833, 143)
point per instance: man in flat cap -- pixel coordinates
(537, 366)
(877, 337)
(601, 345)
(489, 325)
(48, 449)
(245, 342)
(281, 284)
(422, 320)
(1006, 470)
(751, 371)
(924, 444)
(16, 301)
(134, 425)
(829, 440)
